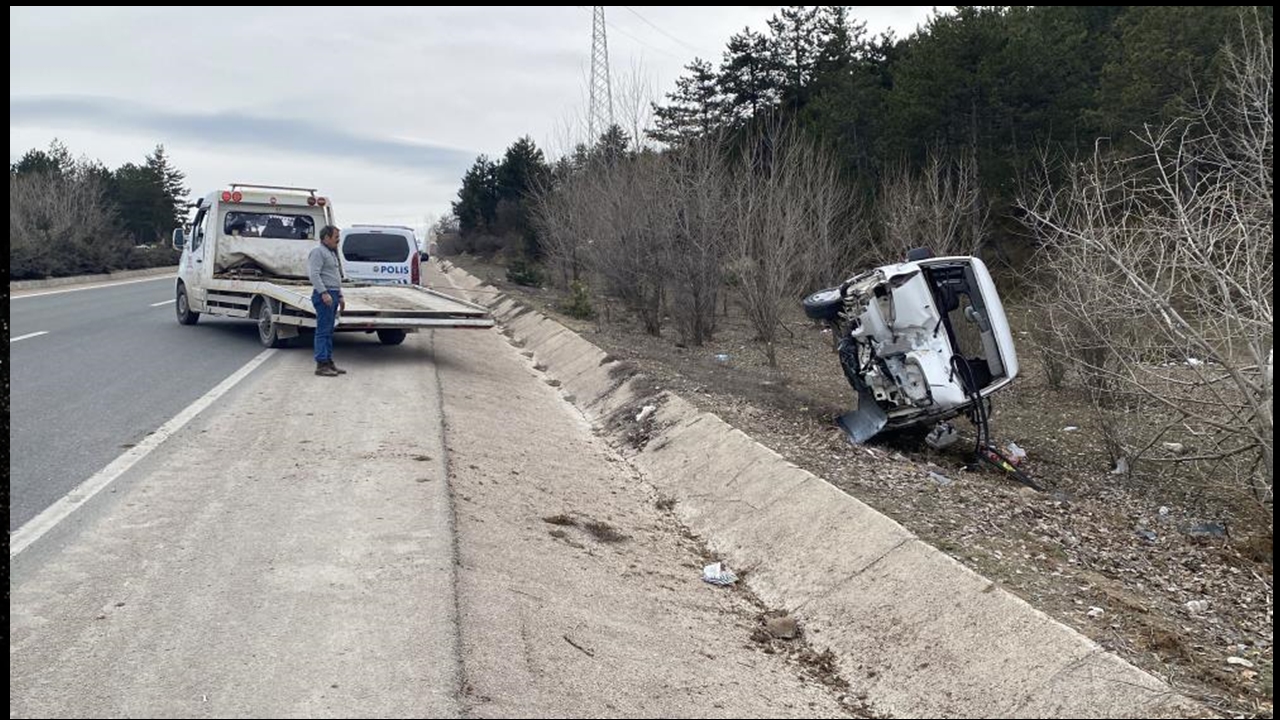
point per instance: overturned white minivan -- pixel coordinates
(920, 341)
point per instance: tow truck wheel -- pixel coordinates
(185, 315)
(391, 337)
(268, 329)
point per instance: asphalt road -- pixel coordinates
(112, 365)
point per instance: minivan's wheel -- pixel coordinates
(391, 337)
(185, 315)
(268, 329)
(824, 304)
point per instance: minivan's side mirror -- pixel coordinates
(178, 239)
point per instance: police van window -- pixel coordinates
(280, 226)
(376, 247)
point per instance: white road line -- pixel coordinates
(36, 527)
(28, 335)
(92, 287)
(166, 302)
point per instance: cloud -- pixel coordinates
(384, 107)
(229, 128)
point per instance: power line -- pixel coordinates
(633, 37)
(655, 27)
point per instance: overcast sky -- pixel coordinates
(381, 108)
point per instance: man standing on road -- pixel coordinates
(326, 297)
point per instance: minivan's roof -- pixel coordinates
(367, 225)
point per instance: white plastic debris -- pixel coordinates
(1122, 466)
(1016, 454)
(1095, 612)
(645, 412)
(1194, 362)
(1070, 428)
(1176, 448)
(1197, 606)
(718, 574)
(940, 478)
(1233, 660)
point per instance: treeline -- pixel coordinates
(72, 216)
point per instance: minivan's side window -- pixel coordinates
(198, 228)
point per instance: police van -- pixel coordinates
(381, 254)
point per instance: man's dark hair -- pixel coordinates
(328, 232)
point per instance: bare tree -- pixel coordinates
(447, 235)
(787, 226)
(696, 252)
(663, 232)
(1163, 281)
(62, 224)
(559, 215)
(939, 207)
(564, 207)
(831, 219)
(611, 220)
(633, 103)
(633, 226)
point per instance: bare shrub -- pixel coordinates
(1162, 288)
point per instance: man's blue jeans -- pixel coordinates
(325, 317)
